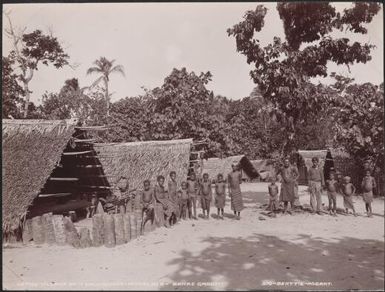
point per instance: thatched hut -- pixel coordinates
(346, 165)
(265, 168)
(139, 161)
(31, 149)
(214, 166)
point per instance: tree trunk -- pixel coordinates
(107, 98)
(27, 97)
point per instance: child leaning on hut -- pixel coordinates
(147, 202)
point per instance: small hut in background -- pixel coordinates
(307, 156)
(139, 161)
(331, 159)
(214, 166)
(265, 168)
(347, 165)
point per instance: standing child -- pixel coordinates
(147, 200)
(368, 184)
(220, 195)
(206, 195)
(161, 197)
(273, 196)
(172, 192)
(348, 191)
(331, 188)
(193, 192)
(183, 198)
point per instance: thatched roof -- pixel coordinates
(214, 166)
(139, 161)
(31, 149)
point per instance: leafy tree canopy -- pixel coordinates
(283, 68)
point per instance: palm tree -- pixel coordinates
(105, 67)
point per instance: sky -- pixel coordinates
(150, 39)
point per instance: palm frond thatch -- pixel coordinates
(31, 149)
(139, 161)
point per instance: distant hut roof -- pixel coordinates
(262, 164)
(307, 156)
(214, 166)
(139, 161)
(31, 149)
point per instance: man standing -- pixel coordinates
(316, 183)
(289, 175)
(234, 180)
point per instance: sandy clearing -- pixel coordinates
(343, 252)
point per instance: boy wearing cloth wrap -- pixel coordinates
(206, 195)
(172, 192)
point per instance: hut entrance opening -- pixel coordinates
(71, 185)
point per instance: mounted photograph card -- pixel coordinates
(211, 146)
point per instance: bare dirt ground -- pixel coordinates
(309, 251)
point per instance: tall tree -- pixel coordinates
(31, 50)
(12, 92)
(360, 119)
(105, 67)
(283, 68)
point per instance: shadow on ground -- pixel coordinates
(244, 263)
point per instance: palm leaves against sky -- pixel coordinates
(105, 67)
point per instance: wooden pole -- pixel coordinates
(109, 231)
(27, 231)
(48, 227)
(37, 230)
(85, 239)
(97, 230)
(127, 227)
(72, 236)
(119, 229)
(59, 229)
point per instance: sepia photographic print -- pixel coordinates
(206, 146)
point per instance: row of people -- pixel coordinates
(333, 186)
(181, 203)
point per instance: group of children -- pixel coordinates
(181, 203)
(335, 184)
